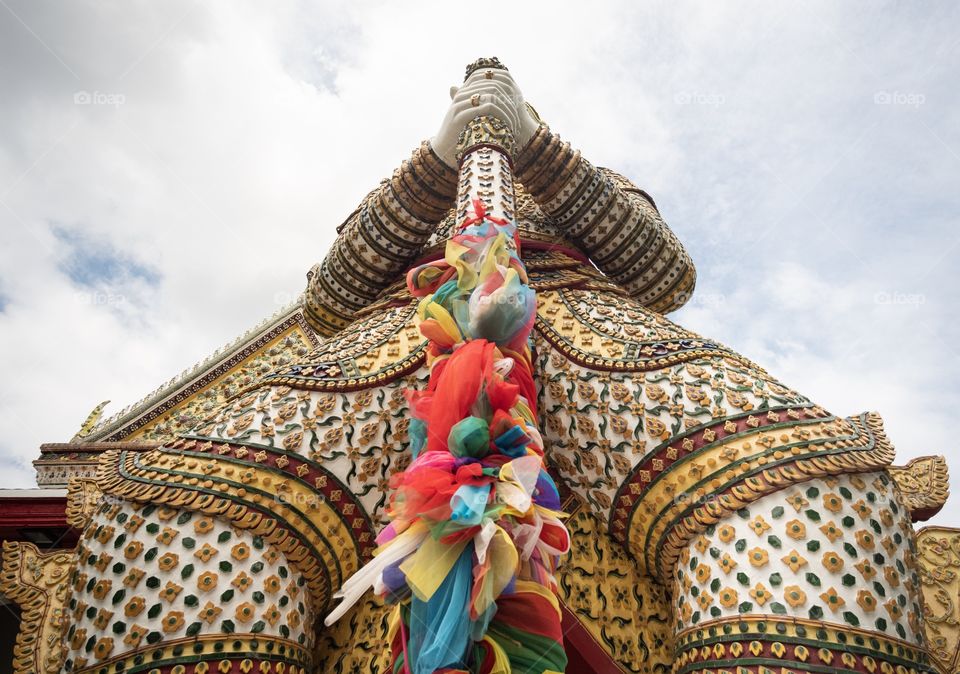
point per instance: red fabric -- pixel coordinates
(531, 613)
(520, 375)
(502, 394)
(425, 488)
(502, 422)
(487, 659)
(398, 647)
(457, 383)
(417, 291)
(480, 214)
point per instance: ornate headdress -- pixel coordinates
(492, 63)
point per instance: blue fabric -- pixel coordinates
(468, 503)
(395, 581)
(545, 494)
(446, 291)
(482, 623)
(469, 437)
(417, 432)
(440, 628)
(513, 442)
(460, 309)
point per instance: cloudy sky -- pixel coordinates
(169, 172)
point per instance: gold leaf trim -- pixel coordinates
(83, 495)
(938, 563)
(205, 647)
(37, 582)
(803, 469)
(924, 485)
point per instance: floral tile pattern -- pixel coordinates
(840, 550)
(155, 574)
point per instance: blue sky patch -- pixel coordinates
(92, 264)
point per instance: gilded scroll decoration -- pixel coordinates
(938, 562)
(924, 485)
(38, 582)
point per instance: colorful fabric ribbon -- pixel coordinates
(476, 530)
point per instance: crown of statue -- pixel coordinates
(492, 63)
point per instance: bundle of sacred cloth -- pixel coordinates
(475, 532)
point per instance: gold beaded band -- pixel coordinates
(485, 131)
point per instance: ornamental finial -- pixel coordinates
(91, 421)
(492, 63)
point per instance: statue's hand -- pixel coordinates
(477, 96)
(527, 119)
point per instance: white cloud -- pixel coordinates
(823, 219)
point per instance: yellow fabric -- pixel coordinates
(431, 309)
(518, 479)
(524, 411)
(488, 265)
(534, 587)
(503, 561)
(466, 275)
(427, 567)
(501, 663)
(393, 624)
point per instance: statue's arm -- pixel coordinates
(614, 222)
(380, 239)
